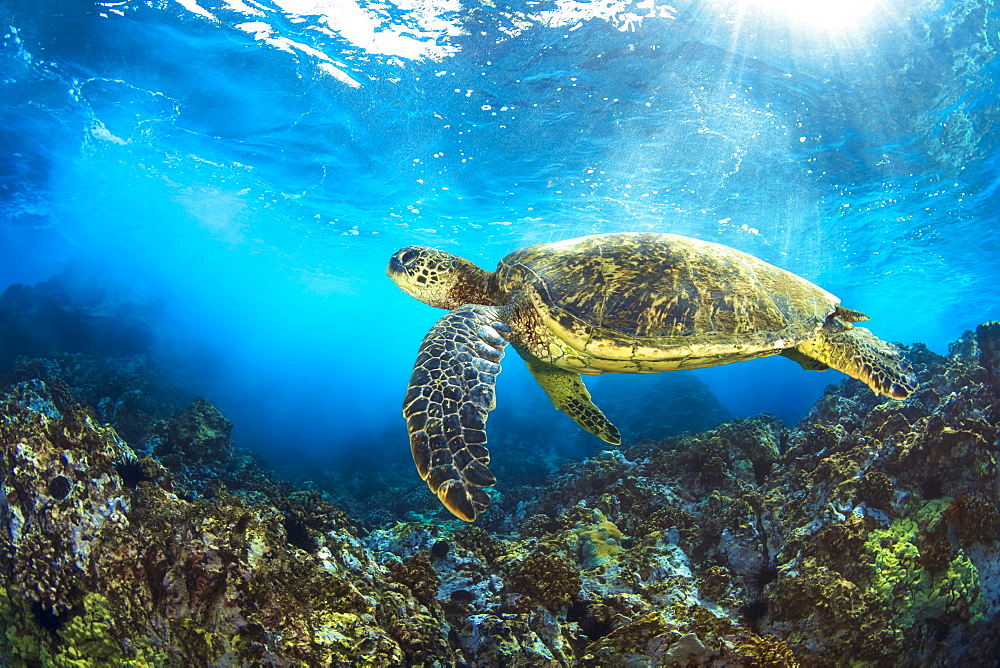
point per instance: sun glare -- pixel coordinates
(829, 15)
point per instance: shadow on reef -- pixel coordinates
(137, 534)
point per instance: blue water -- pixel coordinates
(252, 165)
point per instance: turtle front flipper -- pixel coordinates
(862, 355)
(570, 395)
(451, 392)
(806, 362)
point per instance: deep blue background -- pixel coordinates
(219, 167)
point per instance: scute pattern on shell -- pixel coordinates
(666, 290)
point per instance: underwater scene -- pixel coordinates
(722, 274)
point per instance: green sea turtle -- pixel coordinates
(607, 303)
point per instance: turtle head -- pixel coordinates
(438, 278)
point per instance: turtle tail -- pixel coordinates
(862, 355)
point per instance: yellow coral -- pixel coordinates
(599, 540)
(88, 641)
(910, 590)
(19, 646)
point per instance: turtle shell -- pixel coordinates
(641, 296)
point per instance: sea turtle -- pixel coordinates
(606, 303)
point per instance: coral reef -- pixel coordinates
(868, 533)
(141, 576)
(195, 448)
(129, 393)
(75, 312)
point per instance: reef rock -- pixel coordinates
(75, 312)
(868, 533)
(129, 393)
(99, 573)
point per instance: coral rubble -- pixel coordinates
(866, 534)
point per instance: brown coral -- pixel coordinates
(546, 579)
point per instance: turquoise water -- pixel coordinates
(251, 166)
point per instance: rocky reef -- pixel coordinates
(136, 533)
(76, 311)
(106, 564)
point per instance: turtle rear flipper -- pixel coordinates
(570, 395)
(451, 392)
(862, 355)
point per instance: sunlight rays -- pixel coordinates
(821, 15)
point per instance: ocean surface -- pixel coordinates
(249, 167)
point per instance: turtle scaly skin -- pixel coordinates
(609, 303)
(862, 355)
(451, 391)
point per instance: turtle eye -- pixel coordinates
(407, 257)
